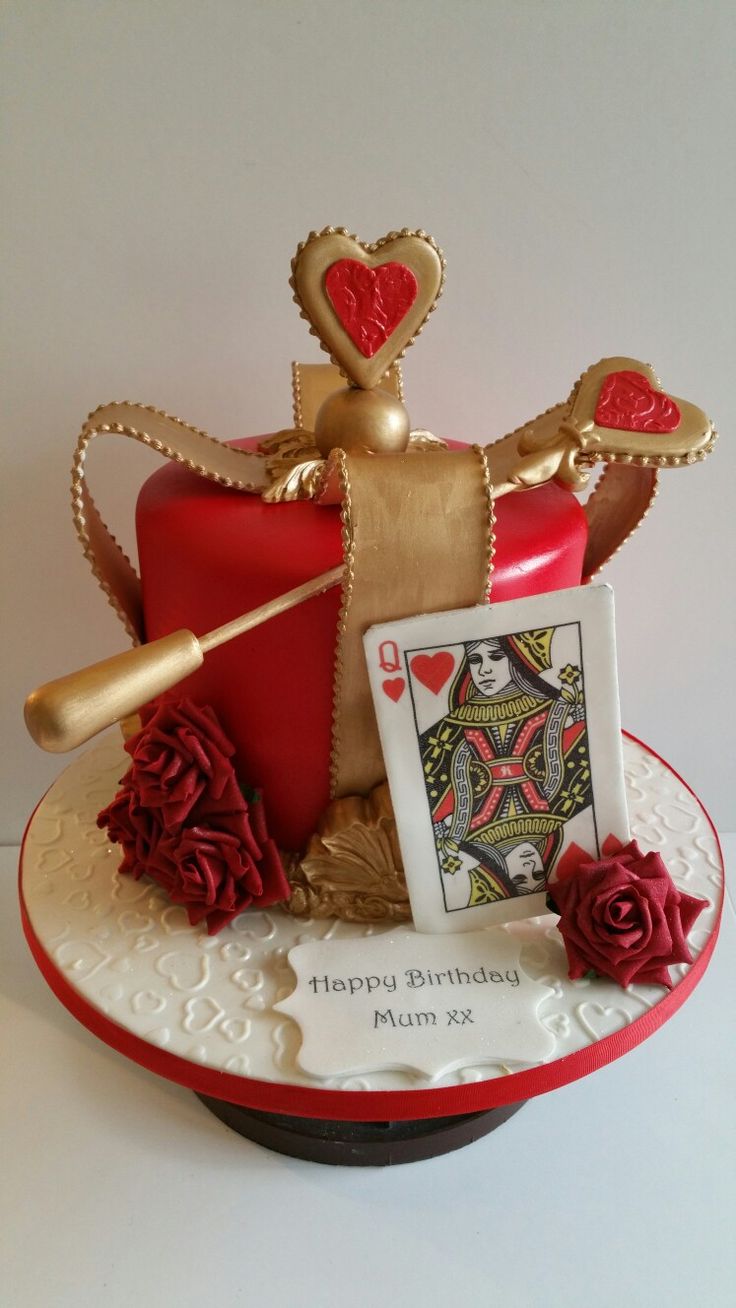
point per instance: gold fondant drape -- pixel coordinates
(418, 539)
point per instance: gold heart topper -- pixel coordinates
(367, 303)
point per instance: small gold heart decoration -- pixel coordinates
(621, 407)
(618, 413)
(367, 303)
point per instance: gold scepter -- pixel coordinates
(67, 712)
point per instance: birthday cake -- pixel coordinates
(257, 774)
(370, 687)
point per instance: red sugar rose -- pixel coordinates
(181, 753)
(623, 917)
(210, 873)
(135, 828)
(182, 819)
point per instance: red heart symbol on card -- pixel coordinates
(394, 688)
(370, 302)
(629, 402)
(433, 670)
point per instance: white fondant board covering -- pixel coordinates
(210, 999)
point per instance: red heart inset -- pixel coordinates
(394, 688)
(370, 302)
(433, 670)
(629, 402)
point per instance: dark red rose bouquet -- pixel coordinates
(182, 819)
(622, 916)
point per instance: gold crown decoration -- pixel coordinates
(366, 303)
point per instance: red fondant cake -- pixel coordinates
(208, 554)
(256, 775)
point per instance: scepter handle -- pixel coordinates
(65, 713)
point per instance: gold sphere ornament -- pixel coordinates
(354, 419)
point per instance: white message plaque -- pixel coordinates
(419, 1003)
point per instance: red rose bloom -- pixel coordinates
(182, 819)
(181, 753)
(132, 826)
(212, 873)
(623, 917)
(208, 872)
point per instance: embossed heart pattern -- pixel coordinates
(370, 302)
(629, 402)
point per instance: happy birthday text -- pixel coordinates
(414, 978)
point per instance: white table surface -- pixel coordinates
(119, 1188)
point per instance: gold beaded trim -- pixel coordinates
(650, 460)
(296, 394)
(84, 508)
(597, 490)
(339, 461)
(491, 523)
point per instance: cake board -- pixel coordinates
(198, 1010)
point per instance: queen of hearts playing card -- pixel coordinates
(501, 736)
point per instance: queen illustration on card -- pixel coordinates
(502, 747)
(506, 766)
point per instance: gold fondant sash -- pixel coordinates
(417, 539)
(620, 501)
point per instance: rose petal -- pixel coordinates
(690, 910)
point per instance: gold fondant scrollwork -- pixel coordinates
(352, 867)
(296, 467)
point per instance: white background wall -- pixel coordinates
(164, 157)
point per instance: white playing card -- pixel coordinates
(501, 735)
